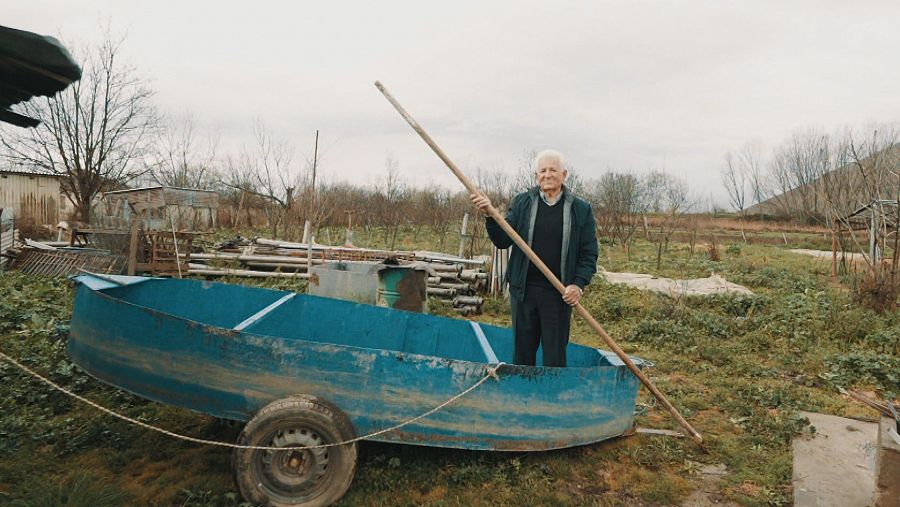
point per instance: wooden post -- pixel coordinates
(494, 267)
(501, 221)
(309, 255)
(133, 245)
(873, 242)
(348, 238)
(462, 234)
(833, 255)
(305, 232)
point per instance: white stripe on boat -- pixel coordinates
(485, 346)
(265, 311)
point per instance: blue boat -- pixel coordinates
(307, 371)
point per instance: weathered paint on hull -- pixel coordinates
(230, 374)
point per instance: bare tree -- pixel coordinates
(94, 133)
(619, 204)
(523, 178)
(735, 180)
(181, 158)
(796, 167)
(392, 191)
(267, 172)
(311, 203)
(669, 200)
(434, 210)
(871, 176)
(750, 160)
(496, 184)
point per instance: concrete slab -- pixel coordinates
(836, 467)
(887, 465)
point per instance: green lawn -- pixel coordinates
(740, 368)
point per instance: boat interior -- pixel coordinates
(295, 316)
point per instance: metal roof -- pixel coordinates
(157, 187)
(28, 172)
(886, 209)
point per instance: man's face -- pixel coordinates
(550, 175)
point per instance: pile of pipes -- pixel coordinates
(459, 283)
(454, 279)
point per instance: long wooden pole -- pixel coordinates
(495, 214)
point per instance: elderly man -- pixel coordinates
(560, 228)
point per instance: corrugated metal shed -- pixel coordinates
(188, 208)
(30, 195)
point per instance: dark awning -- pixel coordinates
(31, 65)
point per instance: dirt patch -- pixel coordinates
(708, 493)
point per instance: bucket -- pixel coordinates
(402, 287)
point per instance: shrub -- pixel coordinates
(877, 292)
(733, 249)
(733, 305)
(865, 367)
(887, 341)
(663, 333)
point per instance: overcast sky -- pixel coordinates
(628, 86)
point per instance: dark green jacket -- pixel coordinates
(579, 240)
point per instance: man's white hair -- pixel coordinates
(551, 155)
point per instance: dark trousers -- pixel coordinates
(543, 318)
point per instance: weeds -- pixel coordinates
(84, 490)
(741, 368)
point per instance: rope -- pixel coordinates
(491, 373)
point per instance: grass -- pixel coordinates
(741, 368)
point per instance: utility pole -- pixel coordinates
(312, 200)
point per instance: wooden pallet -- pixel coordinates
(66, 263)
(160, 251)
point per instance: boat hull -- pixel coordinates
(232, 374)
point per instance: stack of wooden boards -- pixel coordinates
(455, 279)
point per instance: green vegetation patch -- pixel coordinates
(740, 368)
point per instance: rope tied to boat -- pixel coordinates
(490, 373)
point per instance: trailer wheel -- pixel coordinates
(309, 477)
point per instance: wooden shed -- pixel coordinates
(160, 207)
(30, 195)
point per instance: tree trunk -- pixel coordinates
(659, 249)
(83, 212)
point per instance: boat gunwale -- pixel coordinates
(223, 331)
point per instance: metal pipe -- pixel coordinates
(457, 286)
(445, 268)
(278, 259)
(438, 291)
(244, 273)
(468, 300)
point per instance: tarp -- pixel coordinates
(692, 287)
(31, 65)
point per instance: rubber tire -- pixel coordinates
(299, 411)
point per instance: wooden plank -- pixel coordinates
(133, 245)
